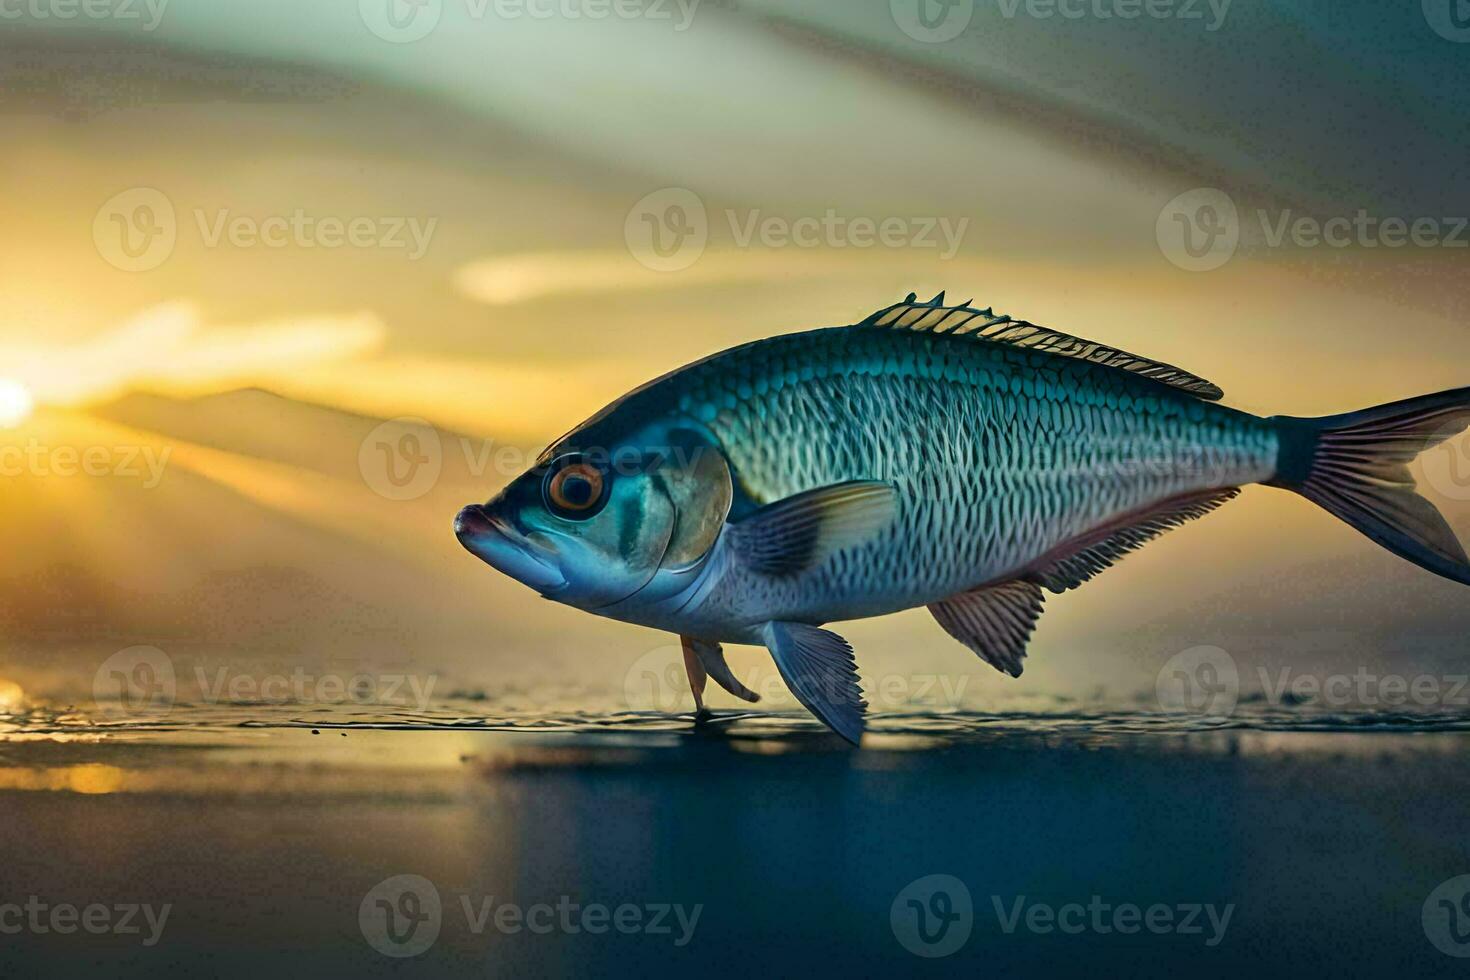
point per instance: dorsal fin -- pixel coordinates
(935, 317)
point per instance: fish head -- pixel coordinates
(591, 527)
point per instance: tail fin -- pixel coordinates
(1356, 466)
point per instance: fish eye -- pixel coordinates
(575, 489)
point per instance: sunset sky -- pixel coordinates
(231, 253)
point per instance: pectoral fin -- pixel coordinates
(819, 668)
(995, 621)
(710, 659)
(790, 535)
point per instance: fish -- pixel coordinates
(928, 455)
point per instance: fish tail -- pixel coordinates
(1356, 467)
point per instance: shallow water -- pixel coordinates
(268, 830)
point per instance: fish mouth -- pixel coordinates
(498, 545)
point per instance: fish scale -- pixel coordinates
(997, 454)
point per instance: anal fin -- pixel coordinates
(995, 621)
(1081, 558)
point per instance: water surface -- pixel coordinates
(265, 827)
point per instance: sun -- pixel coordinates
(16, 403)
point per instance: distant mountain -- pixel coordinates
(269, 534)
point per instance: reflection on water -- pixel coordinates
(266, 828)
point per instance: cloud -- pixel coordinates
(169, 347)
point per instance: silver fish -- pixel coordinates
(931, 455)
